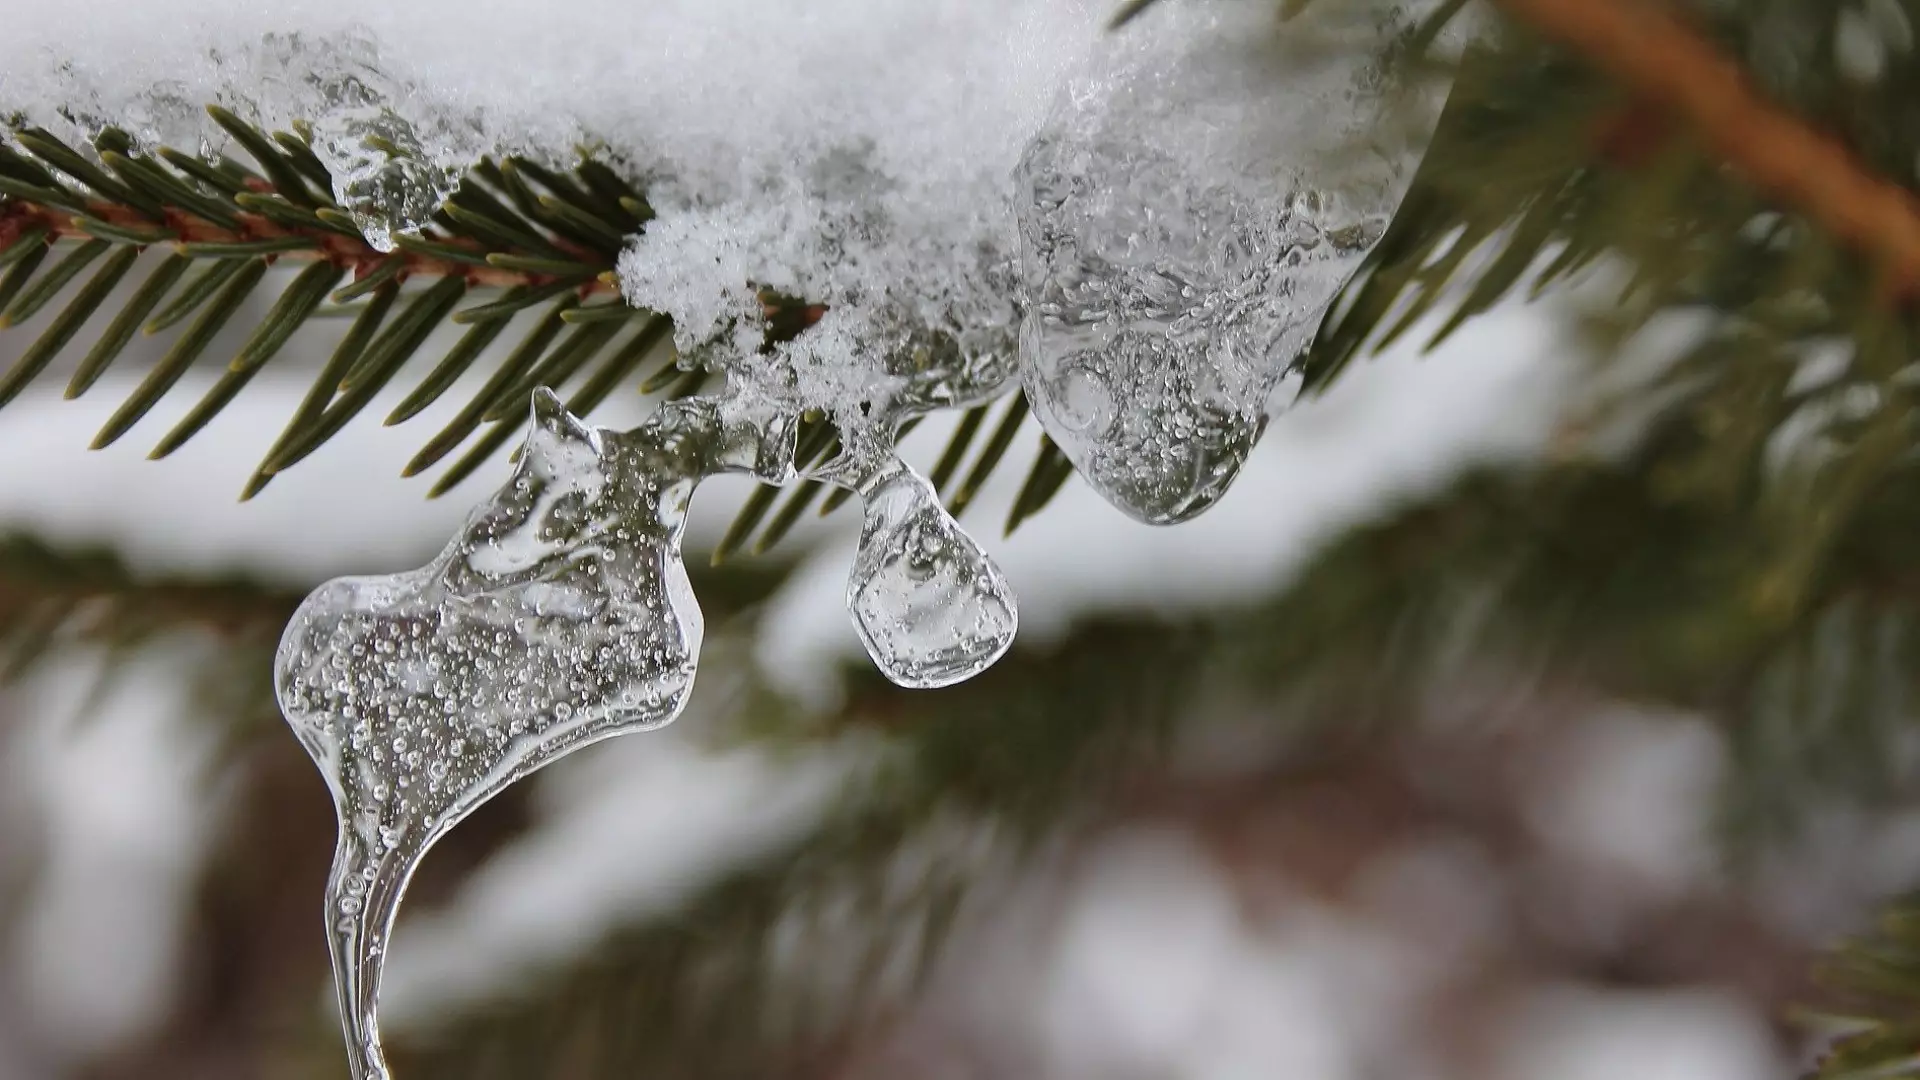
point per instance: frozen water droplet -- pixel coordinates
(163, 114)
(929, 605)
(1189, 210)
(382, 175)
(510, 621)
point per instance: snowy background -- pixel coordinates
(1490, 904)
(1528, 891)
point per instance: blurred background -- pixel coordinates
(1333, 783)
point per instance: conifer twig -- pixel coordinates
(20, 216)
(1651, 50)
(33, 576)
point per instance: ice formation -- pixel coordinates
(1185, 209)
(1142, 230)
(930, 606)
(854, 152)
(387, 174)
(561, 616)
(1185, 219)
(927, 601)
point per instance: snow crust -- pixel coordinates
(856, 151)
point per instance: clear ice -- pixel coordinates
(929, 605)
(562, 615)
(384, 174)
(383, 171)
(927, 601)
(381, 175)
(1195, 201)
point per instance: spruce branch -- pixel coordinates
(1668, 64)
(47, 592)
(1665, 61)
(248, 233)
(520, 239)
(537, 241)
(226, 224)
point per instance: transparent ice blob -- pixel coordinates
(560, 616)
(1194, 203)
(929, 604)
(389, 173)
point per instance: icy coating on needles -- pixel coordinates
(1141, 230)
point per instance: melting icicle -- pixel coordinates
(561, 616)
(1188, 212)
(929, 604)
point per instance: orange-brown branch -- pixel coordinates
(1661, 58)
(17, 216)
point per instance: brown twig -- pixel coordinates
(17, 216)
(1665, 60)
(788, 315)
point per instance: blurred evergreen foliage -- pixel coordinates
(1729, 532)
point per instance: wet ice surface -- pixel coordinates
(928, 603)
(387, 174)
(385, 191)
(1185, 219)
(1168, 277)
(561, 616)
